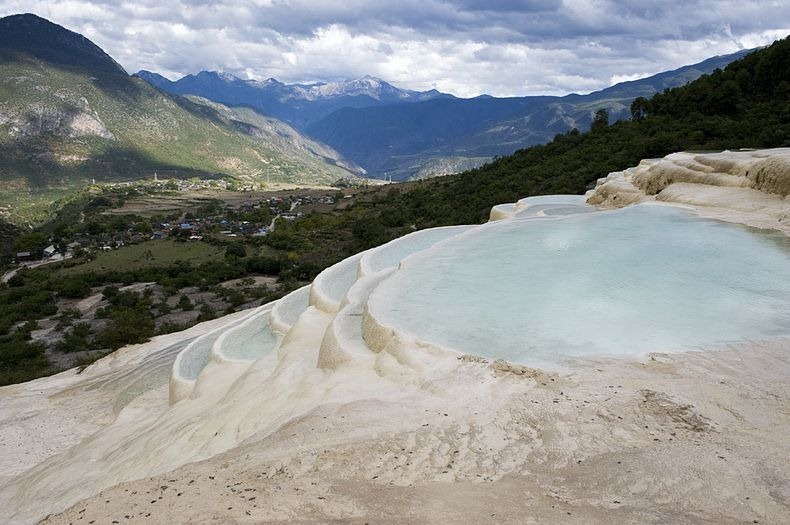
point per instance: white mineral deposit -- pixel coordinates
(619, 358)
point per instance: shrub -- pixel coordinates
(184, 303)
(236, 250)
(73, 288)
(207, 313)
(126, 326)
(76, 339)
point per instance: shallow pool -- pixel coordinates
(250, 340)
(626, 282)
(392, 253)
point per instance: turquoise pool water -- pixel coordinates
(195, 357)
(626, 282)
(250, 341)
(394, 252)
(291, 306)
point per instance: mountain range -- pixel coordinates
(401, 134)
(441, 136)
(69, 114)
(301, 105)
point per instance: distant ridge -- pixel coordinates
(398, 141)
(650, 85)
(297, 104)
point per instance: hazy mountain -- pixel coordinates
(297, 104)
(398, 140)
(69, 113)
(449, 135)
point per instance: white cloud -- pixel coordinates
(467, 47)
(616, 79)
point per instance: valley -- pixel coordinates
(178, 253)
(68, 122)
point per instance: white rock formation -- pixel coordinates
(85, 124)
(339, 417)
(79, 122)
(749, 187)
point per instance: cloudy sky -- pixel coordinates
(465, 47)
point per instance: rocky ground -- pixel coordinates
(685, 438)
(50, 331)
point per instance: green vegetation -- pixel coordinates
(124, 284)
(181, 293)
(76, 339)
(8, 235)
(130, 320)
(21, 360)
(150, 254)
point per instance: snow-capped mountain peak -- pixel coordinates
(228, 77)
(370, 86)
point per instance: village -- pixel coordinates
(210, 219)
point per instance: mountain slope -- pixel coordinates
(297, 104)
(490, 126)
(39, 38)
(276, 133)
(72, 115)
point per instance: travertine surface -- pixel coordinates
(747, 187)
(331, 427)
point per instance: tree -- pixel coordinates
(74, 287)
(33, 242)
(95, 227)
(127, 326)
(143, 227)
(63, 230)
(184, 303)
(118, 224)
(639, 108)
(236, 250)
(600, 121)
(76, 339)
(207, 312)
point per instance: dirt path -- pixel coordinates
(11, 273)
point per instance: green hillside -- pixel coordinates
(63, 124)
